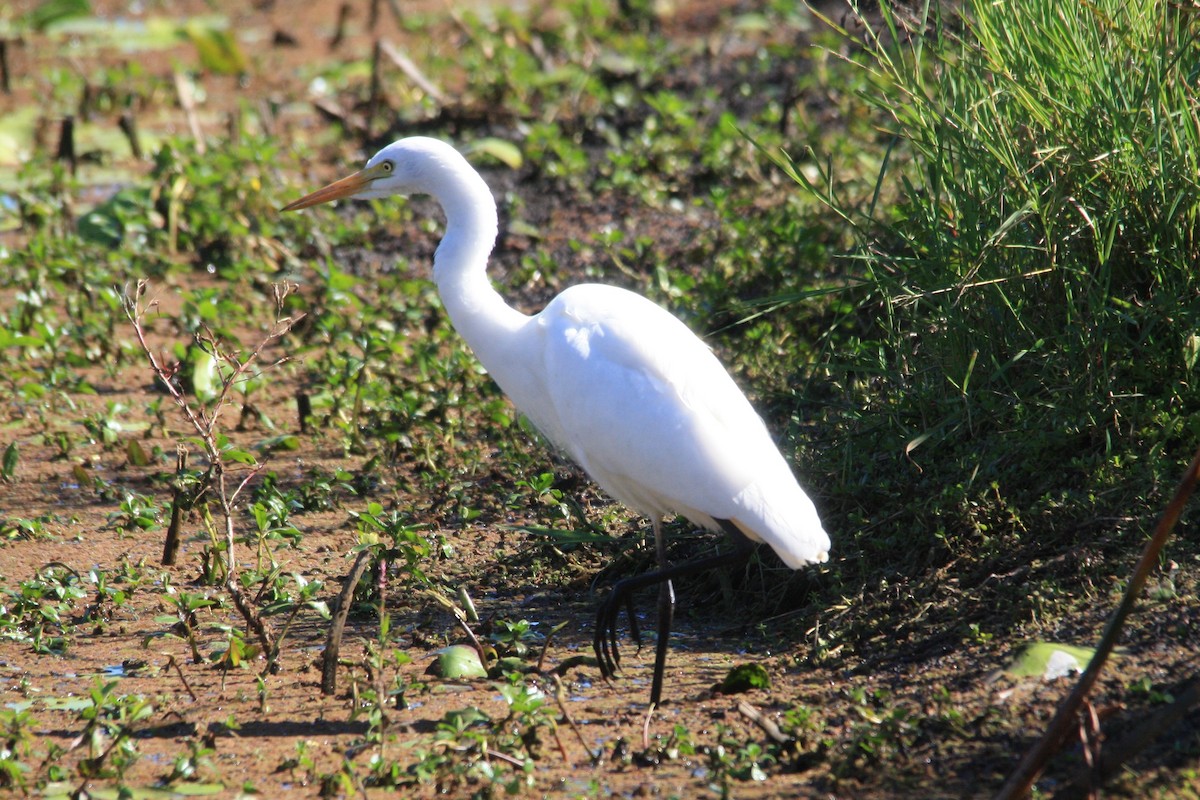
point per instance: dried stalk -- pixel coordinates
(1063, 723)
(187, 101)
(180, 499)
(333, 642)
(1114, 755)
(560, 699)
(412, 72)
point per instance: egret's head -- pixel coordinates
(403, 167)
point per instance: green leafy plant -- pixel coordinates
(183, 622)
(109, 598)
(407, 545)
(110, 721)
(136, 512)
(38, 612)
(270, 524)
(513, 638)
(17, 740)
(38, 527)
(193, 765)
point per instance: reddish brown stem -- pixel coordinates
(1021, 780)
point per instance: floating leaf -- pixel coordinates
(458, 661)
(1050, 660)
(745, 677)
(67, 703)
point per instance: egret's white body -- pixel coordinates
(618, 383)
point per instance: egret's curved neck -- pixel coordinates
(477, 311)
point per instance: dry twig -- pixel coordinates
(412, 71)
(765, 723)
(204, 422)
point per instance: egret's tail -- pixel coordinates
(778, 512)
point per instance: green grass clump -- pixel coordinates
(1023, 276)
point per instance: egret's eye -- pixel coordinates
(387, 167)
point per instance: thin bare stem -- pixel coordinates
(560, 699)
(171, 662)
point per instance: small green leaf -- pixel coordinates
(503, 151)
(219, 52)
(463, 718)
(8, 469)
(1191, 351)
(50, 12)
(10, 338)
(188, 789)
(562, 537)
(238, 455)
(752, 23)
(206, 375)
(510, 664)
(136, 453)
(286, 441)
(745, 677)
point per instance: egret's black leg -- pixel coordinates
(666, 614)
(605, 639)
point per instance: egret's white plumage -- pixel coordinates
(615, 381)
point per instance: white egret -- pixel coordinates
(618, 383)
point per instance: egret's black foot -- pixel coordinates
(608, 655)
